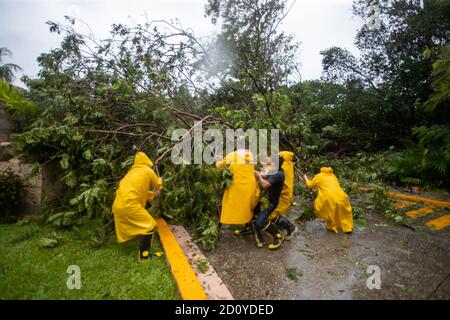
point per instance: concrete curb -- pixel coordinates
(211, 282)
(188, 285)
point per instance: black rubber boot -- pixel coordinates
(278, 236)
(257, 234)
(145, 247)
(284, 223)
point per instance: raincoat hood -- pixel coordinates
(142, 159)
(326, 170)
(287, 155)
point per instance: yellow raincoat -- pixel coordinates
(287, 192)
(242, 196)
(130, 216)
(332, 203)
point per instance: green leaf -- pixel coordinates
(87, 155)
(116, 86)
(48, 242)
(293, 273)
(77, 137)
(64, 163)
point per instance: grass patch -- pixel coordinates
(34, 261)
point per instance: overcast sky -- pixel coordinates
(317, 24)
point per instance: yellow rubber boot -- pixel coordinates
(145, 248)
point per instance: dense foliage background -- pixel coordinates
(382, 116)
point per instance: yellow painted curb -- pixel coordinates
(187, 282)
(439, 223)
(436, 203)
(403, 204)
(420, 212)
(212, 284)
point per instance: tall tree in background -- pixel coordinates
(392, 61)
(251, 54)
(440, 97)
(7, 70)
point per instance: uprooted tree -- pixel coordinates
(100, 101)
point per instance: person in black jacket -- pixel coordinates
(273, 182)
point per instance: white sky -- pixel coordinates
(317, 24)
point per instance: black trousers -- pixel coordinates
(262, 216)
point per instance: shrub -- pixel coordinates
(426, 163)
(11, 194)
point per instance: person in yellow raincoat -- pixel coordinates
(287, 193)
(131, 219)
(239, 199)
(332, 203)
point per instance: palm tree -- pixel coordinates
(7, 70)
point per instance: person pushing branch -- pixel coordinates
(131, 219)
(332, 203)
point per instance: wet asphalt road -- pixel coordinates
(317, 264)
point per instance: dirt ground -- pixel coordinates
(317, 264)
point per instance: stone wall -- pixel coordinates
(9, 161)
(33, 186)
(52, 187)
